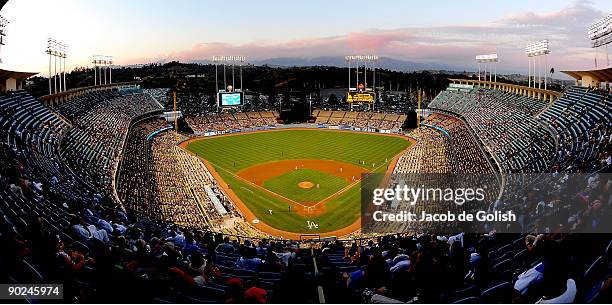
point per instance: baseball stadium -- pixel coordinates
(270, 175)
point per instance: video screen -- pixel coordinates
(230, 99)
(207, 152)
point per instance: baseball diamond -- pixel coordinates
(314, 152)
(286, 178)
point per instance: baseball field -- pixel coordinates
(298, 181)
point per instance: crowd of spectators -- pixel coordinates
(563, 200)
(506, 126)
(361, 120)
(216, 122)
(469, 268)
(161, 95)
(56, 229)
(136, 185)
(93, 144)
(161, 181)
(582, 119)
(437, 152)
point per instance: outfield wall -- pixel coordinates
(290, 126)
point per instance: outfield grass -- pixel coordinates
(287, 185)
(230, 154)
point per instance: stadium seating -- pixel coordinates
(91, 147)
(582, 120)
(161, 95)
(506, 125)
(213, 122)
(59, 223)
(436, 152)
(360, 120)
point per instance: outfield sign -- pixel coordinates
(461, 86)
(230, 99)
(360, 97)
(170, 116)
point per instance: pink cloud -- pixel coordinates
(451, 45)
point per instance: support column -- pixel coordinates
(64, 73)
(545, 70)
(50, 90)
(529, 72)
(55, 73)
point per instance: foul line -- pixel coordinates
(338, 193)
(346, 188)
(257, 186)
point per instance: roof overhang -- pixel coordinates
(19, 76)
(597, 75)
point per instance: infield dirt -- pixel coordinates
(250, 216)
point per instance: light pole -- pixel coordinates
(103, 63)
(62, 57)
(55, 73)
(3, 23)
(224, 60)
(57, 50)
(487, 59)
(373, 59)
(600, 34)
(535, 51)
(95, 73)
(359, 58)
(310, 102)
(49, 51)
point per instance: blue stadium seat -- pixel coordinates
(468, 300)
(500, 293)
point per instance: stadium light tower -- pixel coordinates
(361, 90)
(600, 33)
(63, 54)
(57, 50)
(535, 51)
(227, 60)
(365, 59)
(3, 24)
(101, 64)
(488, 59)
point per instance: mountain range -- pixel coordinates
(339, 61)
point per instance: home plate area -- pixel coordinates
(305, 183)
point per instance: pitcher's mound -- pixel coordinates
(305, 185)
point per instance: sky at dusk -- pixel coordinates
(442, 32)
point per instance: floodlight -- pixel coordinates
(487, 58)
(537, 48)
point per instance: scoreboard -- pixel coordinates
(360, 97)
(230, 99)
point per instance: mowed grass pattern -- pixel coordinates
(230, 154)
(287, 185)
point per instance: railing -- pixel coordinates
(320, 292)
(119, 161)
(535, 93)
